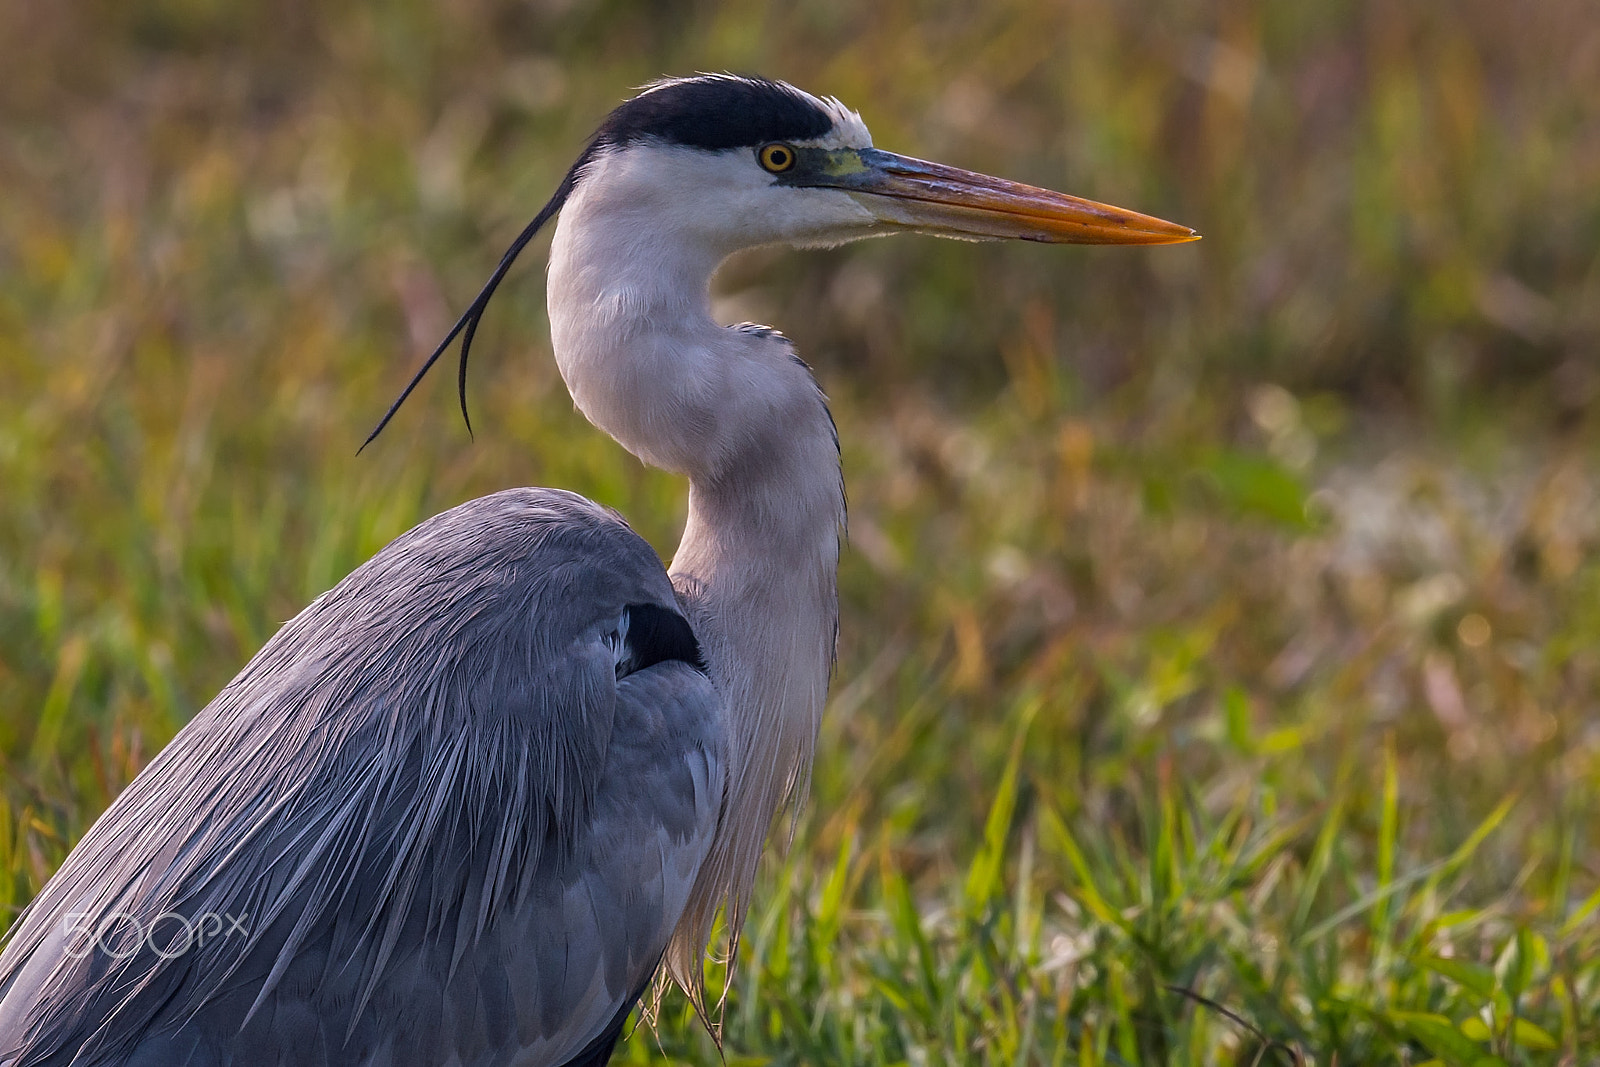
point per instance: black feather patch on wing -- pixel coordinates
(655, 634)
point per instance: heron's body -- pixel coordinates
(459, 810)
(423, 875)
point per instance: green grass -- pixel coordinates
(1221, 638)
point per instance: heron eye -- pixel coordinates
(776, 157)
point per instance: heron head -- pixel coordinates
(736, 161)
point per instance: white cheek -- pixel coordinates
(780, 213)
(829, 216)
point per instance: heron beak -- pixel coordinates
(933, 198)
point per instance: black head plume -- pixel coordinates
(716, 112)
(469, 320)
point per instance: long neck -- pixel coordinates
(736, 411)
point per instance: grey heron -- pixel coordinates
(463, 807)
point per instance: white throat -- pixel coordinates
(735, 410)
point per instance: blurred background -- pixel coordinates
(1296, 525)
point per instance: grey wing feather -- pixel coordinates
(431, 824)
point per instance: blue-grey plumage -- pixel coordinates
(450, 832)
(458, 811)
